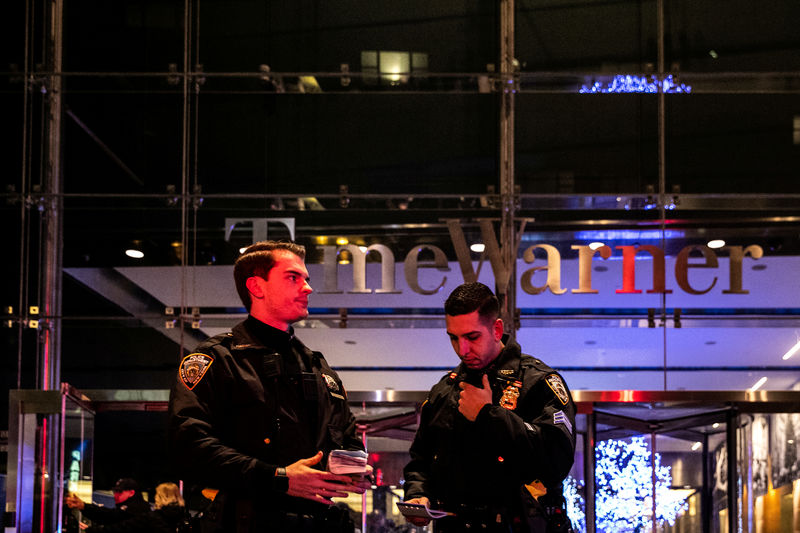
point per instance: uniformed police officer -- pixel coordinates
(254, 413)
(496, 435)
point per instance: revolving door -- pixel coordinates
(689, 461)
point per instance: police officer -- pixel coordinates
(496, 435)
(254, 412)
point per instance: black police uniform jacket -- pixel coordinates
(483, 465)
(241, 408)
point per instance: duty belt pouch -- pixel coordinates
(211, 520)
(545, 514)
(533, 516)
(244, 516)
(337, 520)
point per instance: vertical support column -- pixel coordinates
(653, 481)
(52, 261)
(507, 89)
(662, 169)
(589, 467)
(50, 363)
(732, 423)
(705, 496)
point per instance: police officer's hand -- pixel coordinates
(363, 481)
(317, 485)
(471, 399)
(73, 502)
(419, 520)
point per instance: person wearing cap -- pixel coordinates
(129, 506)
(496, 435)
(254, 413)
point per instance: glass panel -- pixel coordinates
(123, 36)
(240, 36)
(722, 36)
(312, 144)
(586, 143)
(732, 143)
(560, 35)
(78, 454)
(121, 142)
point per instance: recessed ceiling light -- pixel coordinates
(715, 425)
(136, 254)
(478, 247)
(757, 385)
(716, 243)
(595, 245)
(792, 351)
(696, 445)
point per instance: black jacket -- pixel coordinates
(252, 409)
(484, 464)
(131, 516)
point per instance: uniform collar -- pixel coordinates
(253, 333)
(506, 364)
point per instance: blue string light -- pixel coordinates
(623, 481)
(637, 84)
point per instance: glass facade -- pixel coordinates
(187, 130)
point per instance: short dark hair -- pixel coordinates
(469, 297)
(257, 260)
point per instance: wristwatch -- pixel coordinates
(281, 481)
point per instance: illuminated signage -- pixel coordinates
(501, 268)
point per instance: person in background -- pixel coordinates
(496, 435)
(170, 509)
(129, 508)
(254, 413)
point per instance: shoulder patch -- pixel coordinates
(193, 368)
(557, 386)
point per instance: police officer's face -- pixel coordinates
(476, 343)
(282, 298)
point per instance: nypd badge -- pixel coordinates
(193, 368)
(331, 383)
(510, 396)
(333, 387)
(558, 387)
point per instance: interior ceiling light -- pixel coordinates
(758, 384)
(696, 445)
(242, 249)
(793, 350)
(341, 241)
(595, 245)
(478, 247)
(134, 253)
(715, 425)
(716, 243)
